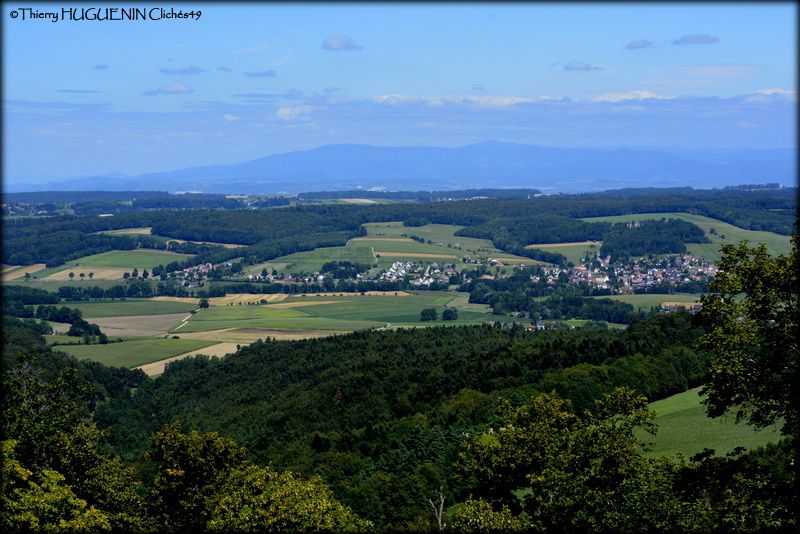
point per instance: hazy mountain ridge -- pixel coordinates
(487, 164)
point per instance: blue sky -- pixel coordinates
(248, 80)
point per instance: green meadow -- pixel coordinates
(647, 301)
(573, 252)
(335, 313)
(129, 307)
(725, 233)
(135, 352)
(684, 427)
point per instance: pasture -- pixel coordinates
(130, 307)
(684, 427)
(136, 352)
(334, 312)
(725, 233)
(110, 265)
(646, 301)
(17, 272)
(573, 251)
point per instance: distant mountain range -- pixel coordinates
(481, 165)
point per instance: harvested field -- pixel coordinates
(357, 201)
(244, 298)
(225, 245)
(401, 239)
(139, 325)
(248, 335)
(145, 230)
(100, 273)
(369, 293)
(554, 245)
(515, 260)
(415, 255)
(302, 303)
(13, 272)
(670, 304)
(157, 368)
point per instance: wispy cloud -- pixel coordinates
(293, 112)
(696, 39)
(639, 44)
(473, 100)
(728, 70)
(171, 89)
(224, 69)
(251, 49)
(581, 66)
(629, 95)
(101, 67)
(228, 117)
(180, 71)
(77, 91)
(339, 43)
(262, 73)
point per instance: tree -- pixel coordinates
(126, 275)
(91, 275)
(577, 471)
(203, 303)
(145, 274)
(255, 498)
(27, 276)
(135, 273)
(450, 314)
(82, 275)
(428, 314)
(190, 469)
(751, 320)
(71, 275)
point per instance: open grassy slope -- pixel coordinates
(683, 427)
(136, 352)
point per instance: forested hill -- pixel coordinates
(380, 414)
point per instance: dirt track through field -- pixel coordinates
(11, 272)
(219, 350)
(396, 239)
(138, 325)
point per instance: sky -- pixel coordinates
(242, 81)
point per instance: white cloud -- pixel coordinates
(288, 113)
(339, 42)
(230, 118)
(476, 100)
(629, 95)
(171, 89)
(774, 91)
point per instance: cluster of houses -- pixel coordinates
(623, 278)
(418, 274)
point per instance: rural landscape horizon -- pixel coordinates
(400, 267)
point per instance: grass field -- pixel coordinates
(645, 302)
(128, 307)
(573, 251)
(335, 313)
(53, 285)
(776, 244)
(135, 353)
(17, 272)
(110, 265)
(683, 427)
(147, 230)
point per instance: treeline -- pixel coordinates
(510, 224)
(381, 415)
(18, 302)
(422, 196)
(664, 236)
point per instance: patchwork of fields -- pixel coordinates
(725, 233)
